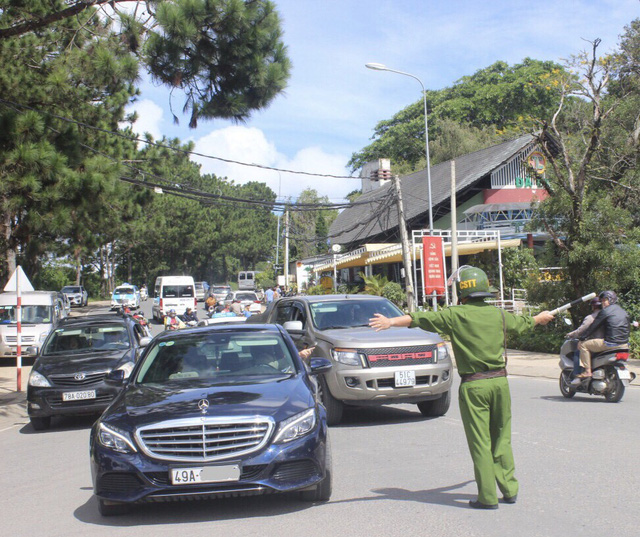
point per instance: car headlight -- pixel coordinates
(114, 439)
(127, 367)
(442, 352)
(296, 426)
(347, 357)
(38, 380)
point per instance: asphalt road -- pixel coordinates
(396, 474)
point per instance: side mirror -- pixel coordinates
(319, 365)
(144, 341)
(32, 351)
(115, 377)
(293, 326)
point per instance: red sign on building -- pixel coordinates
(434, 269)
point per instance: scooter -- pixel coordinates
(143, 294)
(609, 377)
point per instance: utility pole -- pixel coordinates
(406, 251)
(454, 232)
(286, 249)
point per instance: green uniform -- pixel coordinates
(477, 339)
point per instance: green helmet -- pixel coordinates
(471, 282)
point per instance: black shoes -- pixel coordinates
(478, 505)
(512, 499)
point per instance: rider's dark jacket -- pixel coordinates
(616, 325)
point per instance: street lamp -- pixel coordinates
(381, 67)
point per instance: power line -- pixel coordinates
(178, 150)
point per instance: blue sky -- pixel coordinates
(332, 102)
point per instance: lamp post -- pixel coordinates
(381, 67)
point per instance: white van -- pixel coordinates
(41, 312)
(173, 293)
(247, 280)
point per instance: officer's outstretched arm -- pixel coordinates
(543, 317)
(380, 322)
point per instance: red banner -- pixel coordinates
(434, 269)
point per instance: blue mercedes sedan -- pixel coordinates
(208, 412)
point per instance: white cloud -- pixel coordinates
(150, 118)
(250, 145)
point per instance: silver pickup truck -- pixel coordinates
(399, 365)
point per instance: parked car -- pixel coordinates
(220, 291)
(246, 298)
(76, 294)
(201, 291)
(68, 376)
(41, 313)
(399, 365)
(125, 294)
(208, 412)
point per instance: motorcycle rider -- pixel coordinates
(172, 321)
(596, 307)
(190, 316)
(616, 325)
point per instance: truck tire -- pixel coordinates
(436, 407)
(334, 407)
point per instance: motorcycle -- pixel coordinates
(609, 377)
(143, 294)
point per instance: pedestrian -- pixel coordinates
(268, 295)
(478, 336)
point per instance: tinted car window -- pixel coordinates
(77, 339)
(177, 291)
(123, 291)
(216, 356)
(283, 313)
(71, 290)
(246, 296)
(30, 314)
(350, 313)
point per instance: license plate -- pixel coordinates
(207, 474)
(405, 378)
(79, 396)
(624, 374)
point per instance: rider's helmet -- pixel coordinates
(172, 311)
(608, 295)
(471, 282)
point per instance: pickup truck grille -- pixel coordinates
(400, 356)
(205, 439)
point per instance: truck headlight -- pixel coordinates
(442, 352)
(114, 439)
(38, 380)
(347, 357)
(296, 426)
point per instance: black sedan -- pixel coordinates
(211, 412)
(68, 377)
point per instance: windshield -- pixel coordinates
(30, 315)
(75, 340)
(350, 313)
(246, 296)
(177, 291)
(71, 290)
(221, 290)
(123, 291)
(222, 357)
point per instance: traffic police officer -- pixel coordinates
(477, 331)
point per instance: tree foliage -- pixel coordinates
(476, 112)
(226, 56)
